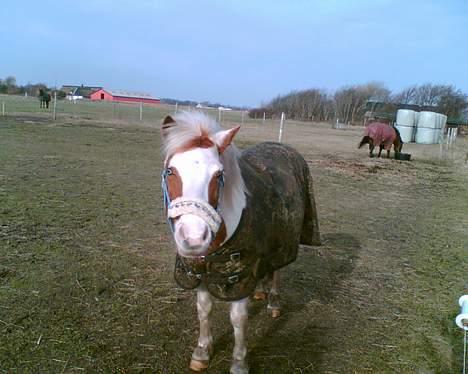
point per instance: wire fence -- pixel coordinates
(108, 110)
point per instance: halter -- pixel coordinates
(200, 208)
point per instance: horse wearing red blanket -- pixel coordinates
(382, 135)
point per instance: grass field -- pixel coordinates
(103, 111)
(86, 259)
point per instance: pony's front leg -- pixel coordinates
(201, 354)
(239, 316)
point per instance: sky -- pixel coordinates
(235, 52)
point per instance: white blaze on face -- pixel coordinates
(196, 168)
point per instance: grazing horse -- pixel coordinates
(236, 218)
(382, 135)
(44, 98)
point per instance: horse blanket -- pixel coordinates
(279, 215)
(381, 134)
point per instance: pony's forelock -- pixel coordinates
(188, 126)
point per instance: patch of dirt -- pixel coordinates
(31, 119)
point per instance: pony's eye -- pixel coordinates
(169, 171)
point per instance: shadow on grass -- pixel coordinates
(279, 345)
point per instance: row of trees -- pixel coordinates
(350, 103)
(9, 86)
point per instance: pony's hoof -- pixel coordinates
(239, 367)
(197, 365)
(275, 313)
(260, 295)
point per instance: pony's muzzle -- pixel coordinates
(192, 236)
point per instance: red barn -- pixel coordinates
(124, 96)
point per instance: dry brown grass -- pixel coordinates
(86, 260)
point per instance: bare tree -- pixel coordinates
(10, 83)
(442, 98)
(407, 96)
(428, 94)
(350, 101)
(452, 102)
(306, 105)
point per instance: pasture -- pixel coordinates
(86, 259)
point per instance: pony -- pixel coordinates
(44, 98)
(236, 219)
(384, 136)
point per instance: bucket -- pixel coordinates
(403, 156)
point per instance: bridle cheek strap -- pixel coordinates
(197, 207)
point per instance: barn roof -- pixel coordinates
(73, 87)
(82, 90)
(136, 95)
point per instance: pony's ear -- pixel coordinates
(224, 138)
(167, 123)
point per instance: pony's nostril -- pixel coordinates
(205, 235)
(193, 243)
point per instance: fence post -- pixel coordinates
(264, 117)
(243, 112)
(175, 111)
(141, 111)
(3, 108)
(281, 128)
(55, 105)
(219, 115)
(455, 133)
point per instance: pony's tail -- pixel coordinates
(310, 233)
(365, 140)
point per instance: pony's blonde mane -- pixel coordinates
(191, 125)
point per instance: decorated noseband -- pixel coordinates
(198, 207)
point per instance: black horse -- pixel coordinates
(44, 98)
